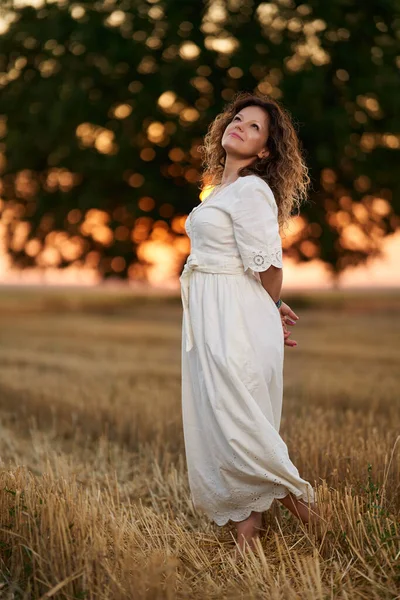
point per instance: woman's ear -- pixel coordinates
(264, 153)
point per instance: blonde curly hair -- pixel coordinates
(284, 170)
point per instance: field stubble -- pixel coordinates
(94, 495)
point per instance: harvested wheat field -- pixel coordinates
(94, 493)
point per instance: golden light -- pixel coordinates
(353, 238)
(135, 180)
(146, 203)
(266, 13)
(178, 224)
(175, 170)
(167, 99)
(328, 178)
(295, 231)
(161, 232)
(48, 67)
(77, 11)
(381, 207)
(74, 216)
(93, 219)
(122, 111)
(33, 3)
(94, 215)
(191, 175)
(223, 45)
(3, 125)
(202, 84)
(235, 72)
(49, 257)
(342, 218)
(360, 212)
(182, 245)
(214, 18)
(362, 183)
(190, 115)
(315, 229)
(21, 232)
(342, 75)
(391, 141)
(295, 25)
(118, 264)
(309, 249)
(141, 229)
(13, 74)
(346, 202)
(116, 18)
(92, 259)
(20, 63)
(189, 51)
(147, 65)
(105, 142)
(86, 132)
(367, 142)
(147, 154)
(156, 13)
(176, 154)
(161, 259)
(33, 247)
(72, 248)
(26, 184)
(360, 116)
(206, 191)
(156, 132)
(103, 235)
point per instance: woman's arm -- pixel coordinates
(271, 280)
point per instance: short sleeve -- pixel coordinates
(254, 215)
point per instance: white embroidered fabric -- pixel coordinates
(261, 260)
(232, 373)
(255, 225)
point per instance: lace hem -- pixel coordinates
(261, 506)
(261, 260)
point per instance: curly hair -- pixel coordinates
(284, 170)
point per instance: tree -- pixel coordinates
(104, 106)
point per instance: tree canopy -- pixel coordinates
(103, 105)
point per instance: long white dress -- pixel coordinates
(232, 356)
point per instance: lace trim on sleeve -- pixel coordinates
(261, 260)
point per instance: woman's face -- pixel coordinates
(247, 134)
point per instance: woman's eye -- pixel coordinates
(239, 120)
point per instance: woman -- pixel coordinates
(234, 324)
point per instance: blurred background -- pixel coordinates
(103, 105)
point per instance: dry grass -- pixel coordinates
(94, 495)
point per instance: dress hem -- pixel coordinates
(259, 508)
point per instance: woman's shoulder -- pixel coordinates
(256, 186)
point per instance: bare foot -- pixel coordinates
(248, 531)
(307, 513)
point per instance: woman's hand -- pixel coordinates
(288, 317)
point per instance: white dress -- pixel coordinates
(232, 356)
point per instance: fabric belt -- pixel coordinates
(207, 263)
